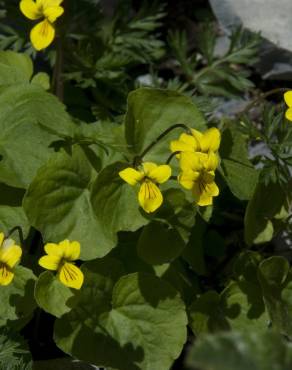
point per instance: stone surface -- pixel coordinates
(270, 17)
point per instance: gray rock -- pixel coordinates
(270, 17)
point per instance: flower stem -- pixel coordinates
(58, 84)
(172, 155)
(161, 136)
(262, 97)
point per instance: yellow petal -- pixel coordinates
(202, 197)
(42, 35)
(2, 236)
(48, 3)
(192, 161)
(10, 254)
(288, 98)
(71, 276)
(50, 262)
(53, 249)
(288, 114)
(131, 176)
(160, 174)
(148, 167)
(53, 12)
(207, 177)
(198, 137)
(30, 9)
(150, 197)
(211, 162)
(185, 143)
(210, 140)
(71, 250)
(188, 178)
(6, 276)
(213, 189)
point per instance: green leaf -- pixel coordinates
(244, 307)
(14, 353)
(28, 115)
(136, 322)
(241, 351)
(194, 251)
(276, 281)
(42, 79)
(52, 296)
(14, 68)
(246, 265)
(62, 204)
(110, 193)
(159, 244)
(177, 211)
(236, 169)
(266, 205)
(176, 273)
(239, 307)
(152, 111)
(17, 301)
(205, 314)
(179, 275)
(11, 211)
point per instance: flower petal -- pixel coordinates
(288, 114)
(208, 177)
(42, 35)
(30, 9)
(150, 197)
(192, 161)
(160, 174)
(211, 162)
(71, 250)
(198, 137)
(131, 176)
(288, 98)
(10, 254)
(53, 249)
(213, 189)
(50, 262)
(48, 3)
(71, 276)
(210, 140)
(53, 12)
(185, 143)
(188, 178)
(148, 167)
(202, 197)
(2, 236)
(6, 276)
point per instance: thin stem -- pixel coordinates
(166, 132)
(20, 233)
(264, 96)
(172, 155)
(58, 83)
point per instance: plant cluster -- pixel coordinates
(148, 227)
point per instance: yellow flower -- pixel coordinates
(288, 101)
(59, 258)
(42, 34)
(198, 175)
(149, 196)
(10, 255)
(208, 141)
